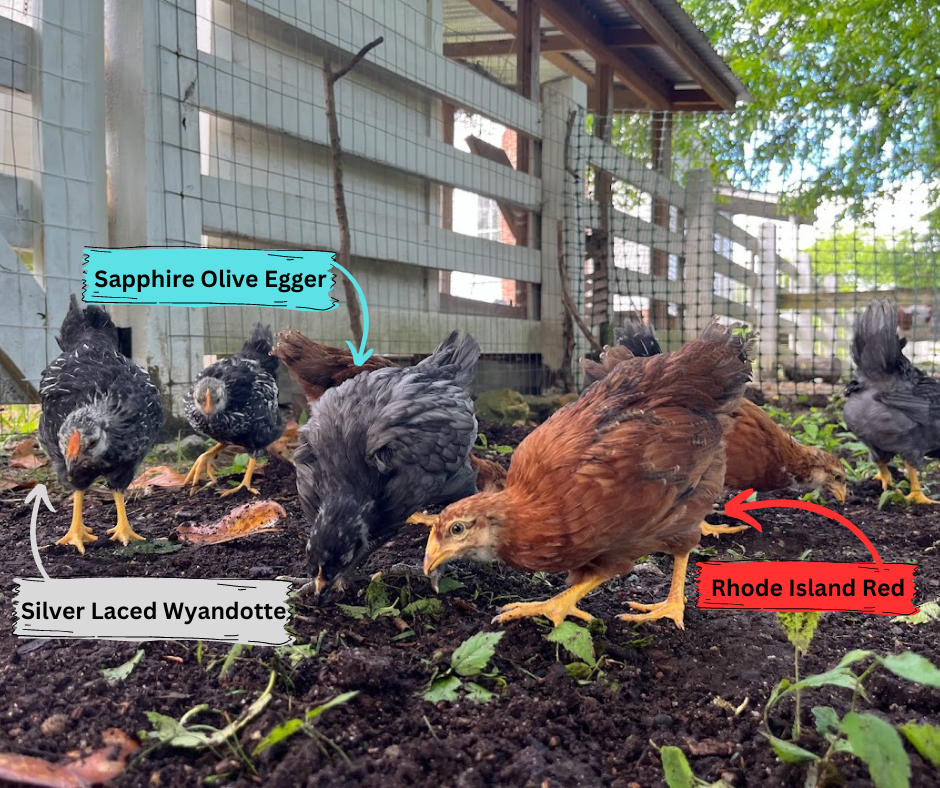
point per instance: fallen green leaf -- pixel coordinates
(929, 611)
(925, 738)
(443, 689)
(121, 672)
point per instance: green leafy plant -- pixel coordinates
(305, 724)
(377, 603)
(866, 736)
(184, 734)
(799, 629)
(679, 774)
(483, 444)
(469, 660)
(578, 642)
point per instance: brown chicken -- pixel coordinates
(629, 469)
(316, 368)
(761, 455)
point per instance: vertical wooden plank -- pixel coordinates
(603, 243)
(661, 159)
(767, 302)
(447, 192)
(699, 273)
(528, 34)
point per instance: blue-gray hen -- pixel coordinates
(380, 447)
(893, 407)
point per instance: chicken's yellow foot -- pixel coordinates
(246, 482)
(429, 520)
(555, 609)
(203, 463)
(717, 530)
(123, 532)
(884, 476)
(673, 607)
(916, 495)
(78, 534)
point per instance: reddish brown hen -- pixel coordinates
(761, 455)
(629, 469)
(316, 368)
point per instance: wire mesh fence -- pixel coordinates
(669, 238)
(470, 206)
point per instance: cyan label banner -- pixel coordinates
(187, 276)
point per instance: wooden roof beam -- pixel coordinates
(648, 17)
(503, 47)
(579, 26)
(506, 19)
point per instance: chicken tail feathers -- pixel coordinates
(639, 339)
(258, 348)
(722, 353)
(86, 322)
(461, 354)
(876, 346)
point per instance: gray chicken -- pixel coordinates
(893, 407)
(380, 447)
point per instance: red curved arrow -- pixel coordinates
(737, 508)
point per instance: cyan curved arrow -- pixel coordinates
(359, 355)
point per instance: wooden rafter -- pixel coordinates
(673, 45)
(506, 19)
(580, 26)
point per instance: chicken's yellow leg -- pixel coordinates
(203, 463)
(246, 482)
(123, 532)
(884, 476)
(555, 609)
(717, 530)
(674, 606)
(429, 520)
(916, 495)
(78, 535)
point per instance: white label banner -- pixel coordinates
(252, 612)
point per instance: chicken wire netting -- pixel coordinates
(661, 233)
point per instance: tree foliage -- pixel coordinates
(846, 93)
(861, 260)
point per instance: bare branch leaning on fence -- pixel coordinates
(330, 78)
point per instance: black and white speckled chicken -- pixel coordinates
(891, 405)
(378, 448)
(234, 401)
(100, 416)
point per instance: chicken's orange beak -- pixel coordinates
(207, 405)
(74, 447)
(839, 491)
(320, 582)
(435, 554)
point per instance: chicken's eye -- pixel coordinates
(457, 529)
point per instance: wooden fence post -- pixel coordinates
(699, 273)
(767, 302)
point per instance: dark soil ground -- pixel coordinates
(656, 684)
